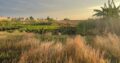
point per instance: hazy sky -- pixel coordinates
(73, 9)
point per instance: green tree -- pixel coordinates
(50, 19)
(31, 18)
(110, 10)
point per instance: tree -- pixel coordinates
(31, 18)
(110, 10)
(50, 19)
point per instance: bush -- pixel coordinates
(86, 28)
(99, 26)
(67, 30)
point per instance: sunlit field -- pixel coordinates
(84, 43)
(26, 48)
(51, 40)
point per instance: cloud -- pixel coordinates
(55, 8)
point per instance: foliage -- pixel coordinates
(39, 29)
(99, 27)
(36, 27)
(8, 25)
(31, 18)
(68, 30)
(86, 27)
(50, 19)
(109, 10)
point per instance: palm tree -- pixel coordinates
(110, 10)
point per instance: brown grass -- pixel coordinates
(25, 48)
(110, 44)
(74, 51)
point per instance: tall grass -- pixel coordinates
(110, 44)
(74, 51)
(25, 48)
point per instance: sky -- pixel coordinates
(58, 9)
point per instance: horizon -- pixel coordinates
(58, 9)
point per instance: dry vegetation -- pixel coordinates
(48, 41)
(110, 44)
(25, 48)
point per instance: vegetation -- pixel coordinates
(99, 27)
(37, 27)
(109, 10)
(87, 27)
(50, 19)
(49, 41)
(110, 45)
(24, 48)
(109, 22)
(31, 18)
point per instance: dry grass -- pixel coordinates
(25, 48)
(74, 51)
(111, 45)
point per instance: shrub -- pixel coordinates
(99, 26)
(86, 27)
(68, 30)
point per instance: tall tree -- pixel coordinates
(110, 10)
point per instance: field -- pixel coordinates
(89, 41)
(22, 47)
(70, 34)
(25, 48)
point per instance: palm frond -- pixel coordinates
(109, 4)
(114, 4)
(105, 5)
(109, 10)
(118, 7)
(96, 10)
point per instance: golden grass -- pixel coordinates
(74, 51)
(25, 48)
(110, 44)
